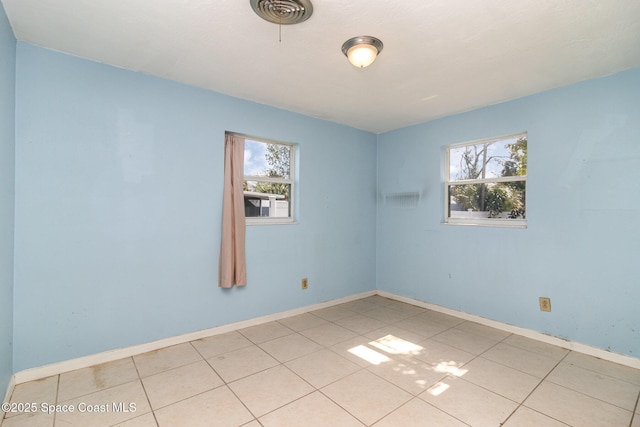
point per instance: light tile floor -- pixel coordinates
(374, 362)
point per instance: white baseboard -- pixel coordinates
(528, 333)
(109, 356)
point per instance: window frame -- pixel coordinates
(448, 182)
(265, 220)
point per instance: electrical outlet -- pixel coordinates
(545, 304)
(305, 283)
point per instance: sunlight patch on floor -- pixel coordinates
(438, 388)
(450, 368)
(398, 349)
(395, 345)
(369, 355)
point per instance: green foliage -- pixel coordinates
(504, 198)
(467, 195)
(273, 188)
(517, 166)
(517, 163)
(496, 201)
(279, 157)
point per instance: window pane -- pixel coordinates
(499, 200)
(505, 157)
(265, 199)
(264, 159)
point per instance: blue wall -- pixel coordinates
(582, 244)
(7, 194)
(118, 183)
(118, 209)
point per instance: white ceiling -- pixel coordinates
(440, 56)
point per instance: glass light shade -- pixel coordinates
(362, 55)
(362, 50)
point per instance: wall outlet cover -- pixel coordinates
(545, 304)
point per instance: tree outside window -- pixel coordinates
(487, 181)
(268, 181)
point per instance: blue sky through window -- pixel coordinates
(498, 150)
(255, 160)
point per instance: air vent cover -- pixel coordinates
(403, 200)
(284, 12)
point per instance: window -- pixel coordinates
(268, 181)
(486, 182)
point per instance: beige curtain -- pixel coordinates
(233, 268)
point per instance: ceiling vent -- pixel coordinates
(283, 12)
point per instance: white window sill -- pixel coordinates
(495, 223)
(272, 221)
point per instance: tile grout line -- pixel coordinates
(226, 383)
(281, 364)
(294, 400)
(595, 371)
(590, 396)
(523, 349)
(520, 404)
(635, 409)
(55, 413)
(153, 412)
(475, 356)
(342, 407)
(360, 369)
(444, 376)
(366, 369)
(255, 418)
(443, 411)
(479, 356)
(482, 387)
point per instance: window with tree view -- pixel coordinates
(487, 182)
(268, 181)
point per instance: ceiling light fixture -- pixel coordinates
(362, 50)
